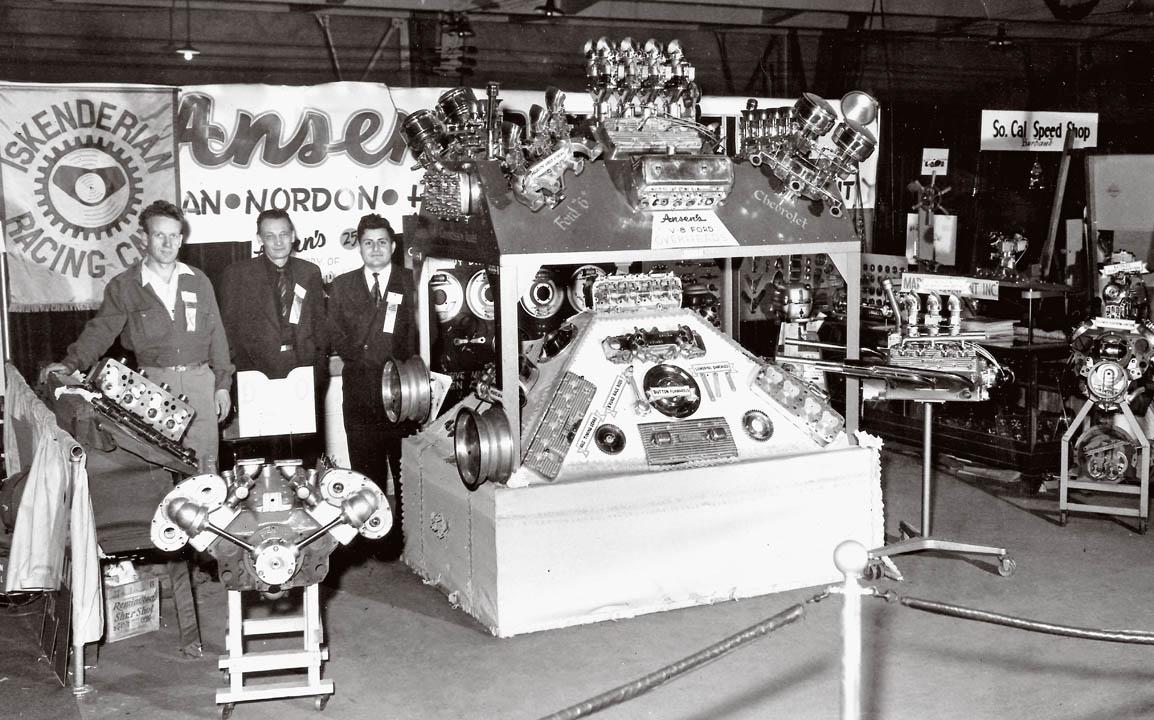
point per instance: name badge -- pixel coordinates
(394, 301)
(189, 299)
(298, 304)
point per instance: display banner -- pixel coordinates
(326, 154)
(77, 165)
(1025, 130)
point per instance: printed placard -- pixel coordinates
(585, 436)
(980, 288)
(1026, 130)
(615, 393)
(935, 161)
(689, 228)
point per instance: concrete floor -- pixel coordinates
(400, 651)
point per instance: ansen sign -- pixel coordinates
(1025, 130)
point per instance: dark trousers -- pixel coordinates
(375, 450)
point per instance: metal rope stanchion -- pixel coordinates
(79, 687)
(851, 559)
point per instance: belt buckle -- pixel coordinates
(180, 368)
(286, 347)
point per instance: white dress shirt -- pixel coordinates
(382, 277)
(166, 290)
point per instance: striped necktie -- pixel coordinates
(284, 292)
(376, 291)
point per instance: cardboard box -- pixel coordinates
(131, 609)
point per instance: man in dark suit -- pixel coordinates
(372, 317)
(273, 307)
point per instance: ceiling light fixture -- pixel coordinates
(187, 51)
(549, 9)
(1000, 39)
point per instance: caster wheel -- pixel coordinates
(1142, 527)
(320, 701)
(226, 711)
(1063, 518)
(873, 570)
(1006, 566)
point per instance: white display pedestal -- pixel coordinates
(554, 555)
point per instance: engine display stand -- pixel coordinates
(239, 662)
(1065, 505)
(915, 541)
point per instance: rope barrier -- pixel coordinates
(644, 684)
(1138, 637)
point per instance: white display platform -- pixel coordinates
(554, 555)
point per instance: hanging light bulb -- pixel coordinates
(549, 9)
(187, 51)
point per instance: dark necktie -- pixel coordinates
(376, 291)
(284, 292)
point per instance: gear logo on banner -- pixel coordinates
(88, 188)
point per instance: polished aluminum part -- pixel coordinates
(482, 446)
(580, 289)
(757, 425)
(271, 526)
(554, 434)
(671, 390)
(609, 439)
(406, 390)
(459, 106)
(859, 107)
(680, 182)
(275, 562)
(424, 134)
(479, 296)
(636, 293)
(544, 297)
(687, 443)
(447, 296)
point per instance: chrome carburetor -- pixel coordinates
(786, 140)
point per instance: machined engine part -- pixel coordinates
(687, 443)
(789, 145)
(654, 345)
(482, 446)
(151, 406)
(680, 182)
(447, 296)
(271, 526)
(544, 297)
(1106, 453)
(1112, 356)
(671, 390)
(406, 389)
(555, 433)
(479, 296)
(810, 408)
(579, 292)
(631, 293)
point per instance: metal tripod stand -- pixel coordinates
(917, 541)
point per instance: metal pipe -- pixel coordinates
(320, 531)
(79, 687)
(228, 536)
(927, 466)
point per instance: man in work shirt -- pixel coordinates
(166, 313)
(273, 307)
(372, 317)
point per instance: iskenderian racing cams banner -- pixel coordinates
(77, 165)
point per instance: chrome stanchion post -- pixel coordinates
(79, 687)
(851, 558)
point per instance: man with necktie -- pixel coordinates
(372, 317)
(273, 307)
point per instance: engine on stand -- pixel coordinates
(1111, 355)
(271, 527)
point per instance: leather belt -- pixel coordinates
(184, 368)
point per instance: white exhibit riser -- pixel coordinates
(558, 554)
